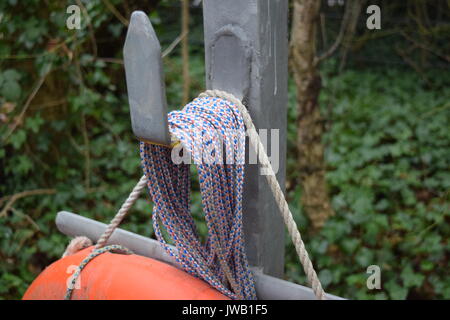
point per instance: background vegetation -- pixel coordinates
(66, 141)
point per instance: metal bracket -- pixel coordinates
(229, 70)
(145, 81)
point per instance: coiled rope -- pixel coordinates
(226, 266)
(201, 127)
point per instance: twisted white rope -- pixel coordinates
(276, 190)
(134, 195)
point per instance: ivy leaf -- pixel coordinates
(364, 257)
(395, 291)
(18, 138)
(10, 75)
(426, 265)
(325, 277)
(11, 90)
(34, 123)
(410, 278)
(24, 164)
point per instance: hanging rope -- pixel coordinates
(221, 261)
(204, 127)
(123, 211)
(282, 204)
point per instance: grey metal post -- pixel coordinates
(246, 55)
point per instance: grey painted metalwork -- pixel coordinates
(73, 225)
(145, 81)
(267, 287)
(246, 55)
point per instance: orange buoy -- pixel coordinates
(112, 276)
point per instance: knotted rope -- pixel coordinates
(94, 253)
(223, 258)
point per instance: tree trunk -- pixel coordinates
(314, 200)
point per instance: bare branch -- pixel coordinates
(91, 28)
(174, 43)
(342, 30)
(185, 50)
(415, 66)
(111, 60)
(351, 30)
(24, 194)
(28, 218)
(87, 156)
(13, 198)
(425, 46)
(30, 98)
(116, 13)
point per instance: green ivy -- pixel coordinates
(388, 159)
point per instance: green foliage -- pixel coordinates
(388, 158)
(75, 137)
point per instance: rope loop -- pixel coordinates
(114, 248)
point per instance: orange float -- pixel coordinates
(112, 276)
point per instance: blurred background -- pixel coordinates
(374, 148)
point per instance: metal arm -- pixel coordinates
(145, 81)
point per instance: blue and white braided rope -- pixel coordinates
(203, 125)
(224, 252)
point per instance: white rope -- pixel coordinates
(276, 190)
(134, 195)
